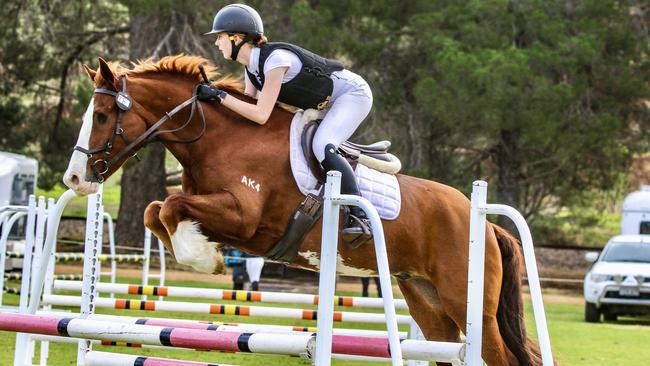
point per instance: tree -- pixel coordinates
(542, 98)
(42, 43)
(157, 29)
(537, 94)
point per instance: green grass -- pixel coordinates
(111, 199)
(574, 341)
(77, 206)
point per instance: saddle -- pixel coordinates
(374, 156)
(370, 163)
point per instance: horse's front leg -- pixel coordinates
(152, 221)
(183, 216)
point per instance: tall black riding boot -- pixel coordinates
(356, 228)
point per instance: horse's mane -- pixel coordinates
(181, 64)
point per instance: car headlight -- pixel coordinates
(599, 277)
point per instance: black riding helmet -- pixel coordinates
(238, 18)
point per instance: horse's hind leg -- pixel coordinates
(183, 217)
(494, 350)
(451, 289)
(427, 310)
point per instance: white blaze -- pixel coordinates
(75, 175)
(341, 267)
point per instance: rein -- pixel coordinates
(124, 103)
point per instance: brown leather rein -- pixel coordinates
(124, 103)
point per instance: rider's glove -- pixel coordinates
(210, 94)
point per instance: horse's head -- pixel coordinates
(109, 125)
(128, 112)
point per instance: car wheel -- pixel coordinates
(610, 317)
(592, 314)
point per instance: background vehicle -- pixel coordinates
(619, 281)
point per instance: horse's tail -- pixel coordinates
(510, 314)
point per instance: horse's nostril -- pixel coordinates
(75, 179)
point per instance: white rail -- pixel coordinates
(479, 210)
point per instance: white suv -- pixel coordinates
(619, 280)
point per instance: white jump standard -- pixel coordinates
(320, 347)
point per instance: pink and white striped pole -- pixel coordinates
(96, 358)
(268, 343)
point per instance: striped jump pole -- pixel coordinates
(96, 358)
(62, 277)
(11, 290)
(293, 345)
(267, 343)
(57, 339)
(219, 294)
(206, 308)
(77, 257)
(236, 327)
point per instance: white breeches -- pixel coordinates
(351, 103)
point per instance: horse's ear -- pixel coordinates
(90, 72)
(106, 72)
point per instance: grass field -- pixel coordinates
(574, 341)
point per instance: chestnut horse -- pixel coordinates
(238, 189)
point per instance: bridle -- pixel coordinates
(124, 103)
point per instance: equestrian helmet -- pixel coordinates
(238, 18)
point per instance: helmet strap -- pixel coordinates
(236, 47)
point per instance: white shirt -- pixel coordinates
(345, 81)
(277, 58)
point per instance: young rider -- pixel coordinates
(297, 77)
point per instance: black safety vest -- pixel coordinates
(311, 87)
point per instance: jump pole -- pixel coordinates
(224, 309)
(96, 358)
(228, 326)
(268, 343)
(58, 339)
(220, 294)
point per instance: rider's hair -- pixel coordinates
(260, 42)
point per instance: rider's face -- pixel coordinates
(223, 44)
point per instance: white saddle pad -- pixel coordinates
(381, 189)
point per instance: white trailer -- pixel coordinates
(17, 178)
(636, 212)
(17, 181)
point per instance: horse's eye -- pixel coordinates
(101, 118)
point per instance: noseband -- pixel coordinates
(124, 103)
